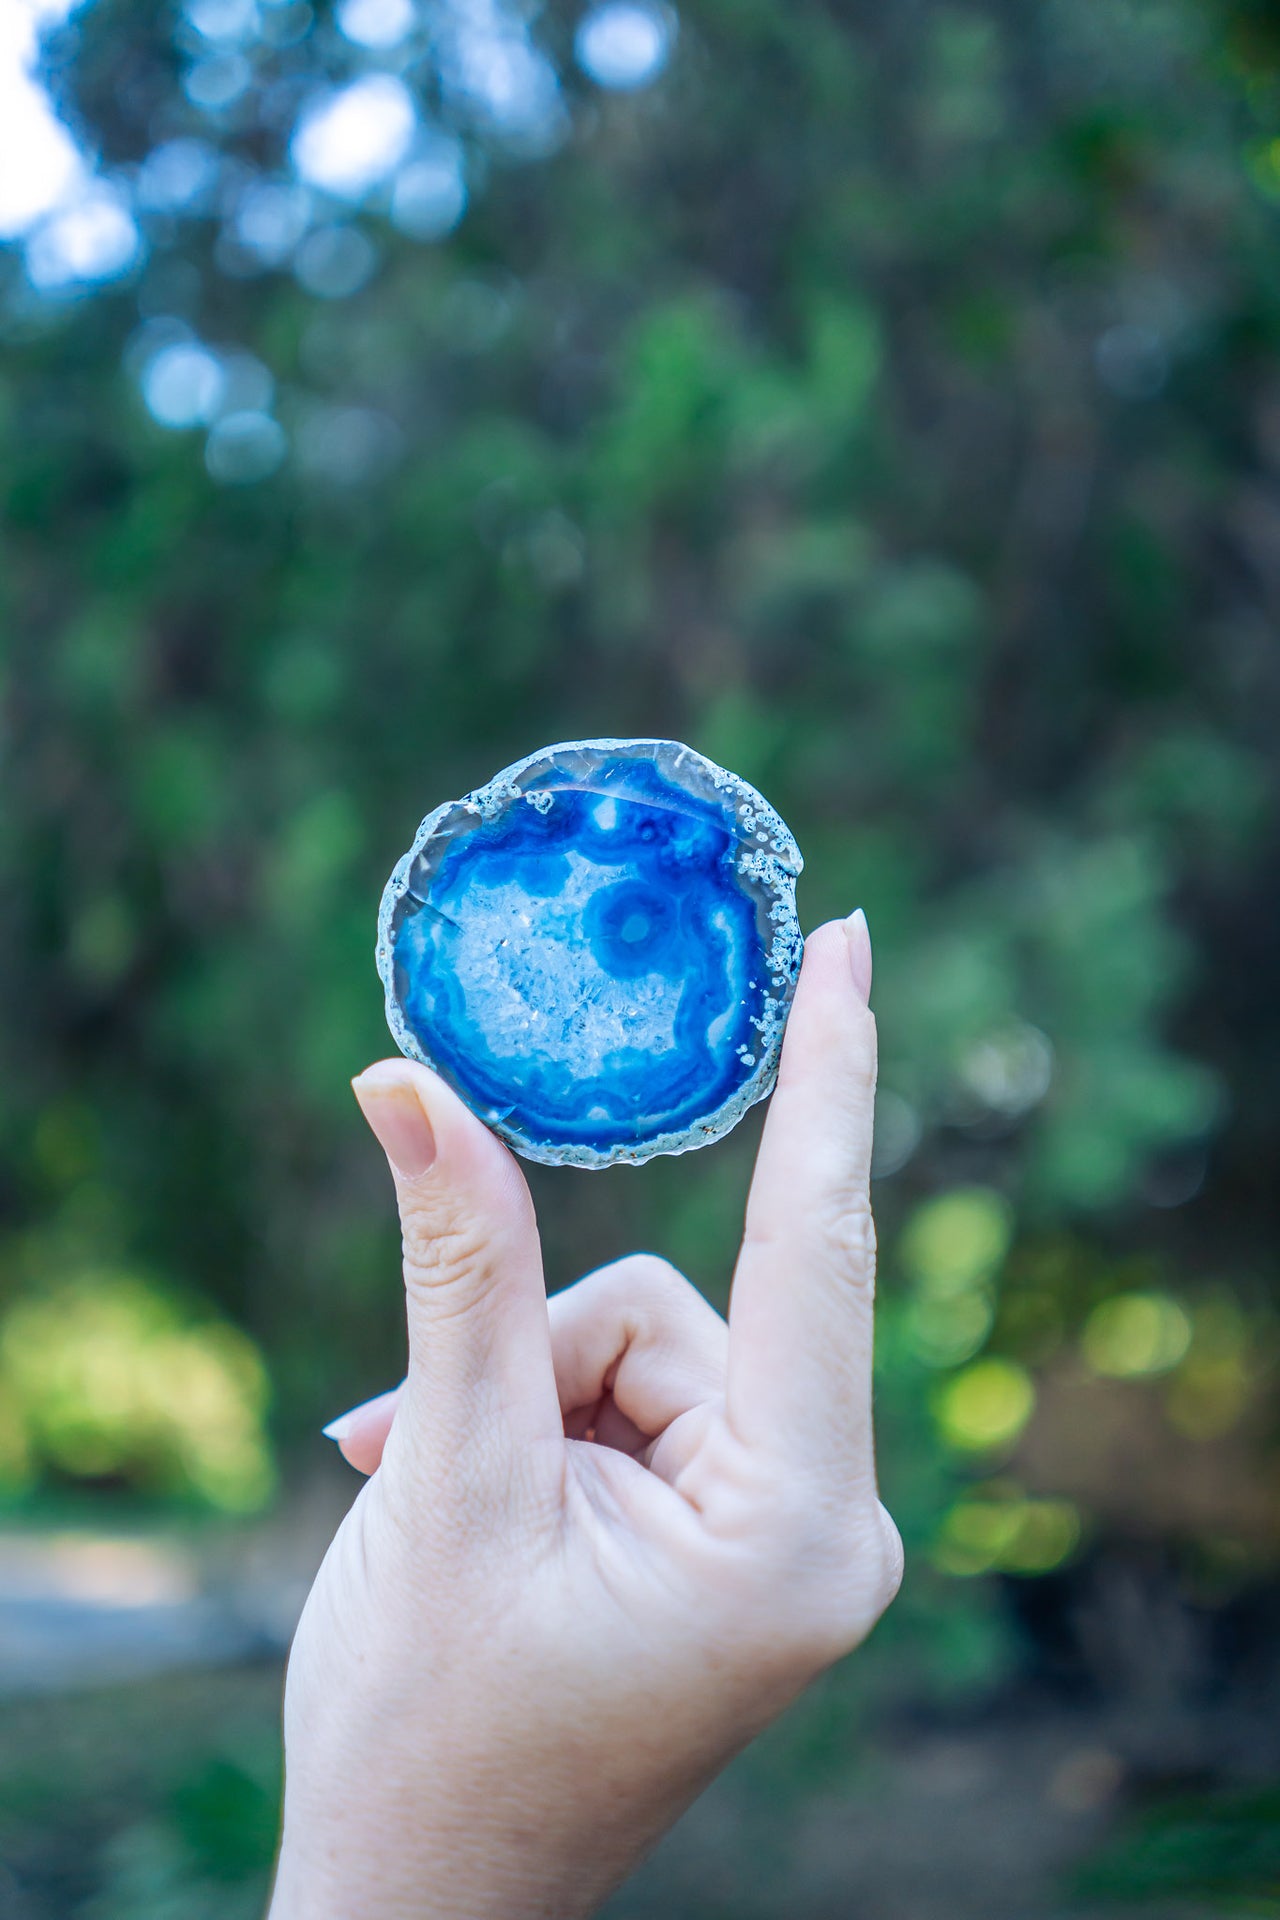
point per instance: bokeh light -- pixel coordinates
(625, 44)
(248, 385)
(222, 20)
(1214, 1385)
(286, 22)
(986, 1406)
(1136, 1333)
(998, 1528)
(430, 194)
(349, 140)
(1010, 1069)
(491, 72)
(947, 1329)
(217, 81)
(335, 261)
(270, 218)
(178, 176)
(379, 24)
(957, 1239)
(951, 1249)
(1132, 361)
(899, 1131)
(183, 385)
(244, 447)
(95, 238)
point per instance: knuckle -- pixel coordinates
(643, 1288)
(840, 1232)
(846, 1231)
(892, 1560)
(624, 1276)
(440, 1247)
(838, 1578)
(652, 1275)
(663, 1297)
(764, 1234)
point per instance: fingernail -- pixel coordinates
(338, 1429)
(395, 1114)
(858, 935)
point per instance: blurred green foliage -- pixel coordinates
(106, 1378)
(884, 401)
(1225, 1849)
(181, 1826)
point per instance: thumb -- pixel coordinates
(479, 1346)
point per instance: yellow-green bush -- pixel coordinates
(108, 1377)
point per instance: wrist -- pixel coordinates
(340, 1868)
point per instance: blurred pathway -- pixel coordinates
(82, 1608)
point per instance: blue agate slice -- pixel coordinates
(597, 950)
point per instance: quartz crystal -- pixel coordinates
(597, 950)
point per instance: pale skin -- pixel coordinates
(605, 1538)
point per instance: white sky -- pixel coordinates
(39, 162)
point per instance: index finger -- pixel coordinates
(801, 1310)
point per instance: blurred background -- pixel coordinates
(883, 399)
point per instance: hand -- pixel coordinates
(607, 1537)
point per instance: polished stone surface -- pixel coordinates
(597, 950)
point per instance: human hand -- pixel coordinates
(607, 1537)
